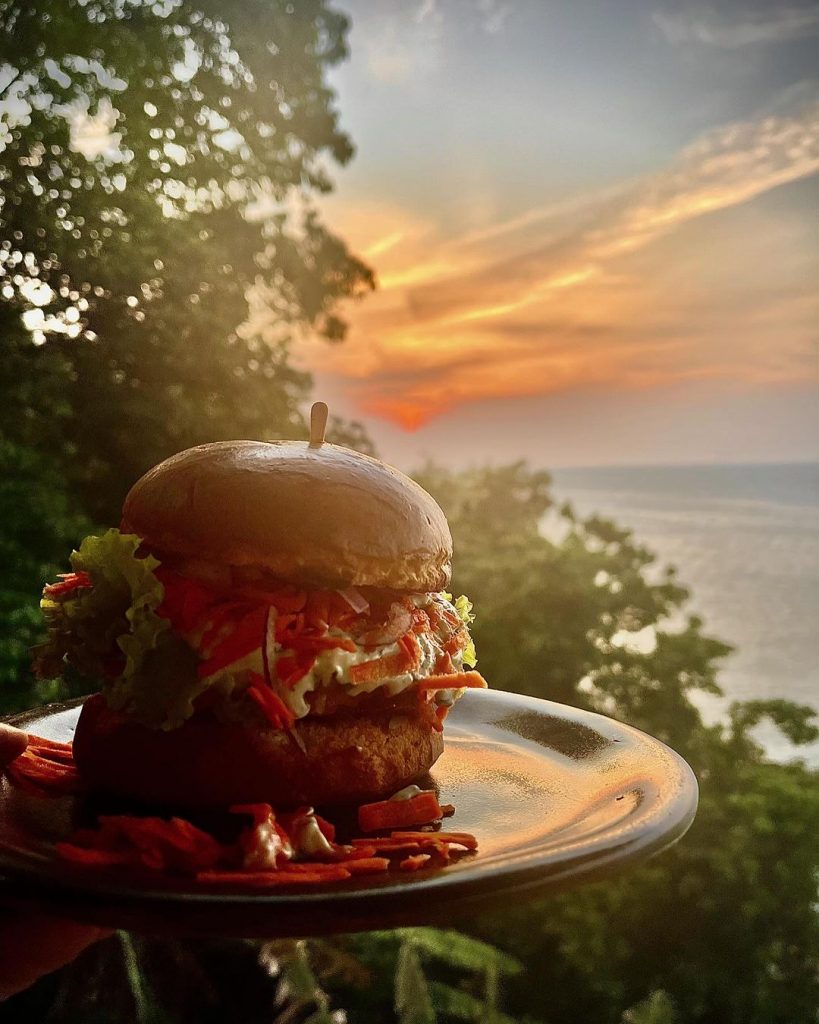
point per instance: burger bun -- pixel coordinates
(321, 516)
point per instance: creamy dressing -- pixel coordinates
(407, 793)
(333, 666)
(309, 840)
(269, 848)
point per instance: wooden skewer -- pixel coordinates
(318, 424)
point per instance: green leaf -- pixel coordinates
(656, 1009)
(796, 721)
(458, 950)
(452, 1002)
(413, 1003)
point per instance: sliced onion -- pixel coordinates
(399, 622)
(356, 600)
(269, 645)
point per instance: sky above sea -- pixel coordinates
(593, 226)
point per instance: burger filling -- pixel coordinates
(170, 637)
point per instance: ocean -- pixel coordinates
(745, 539)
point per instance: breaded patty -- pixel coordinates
(206, 762)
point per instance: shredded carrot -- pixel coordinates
(444, 666)
(380, 668)
(314, 867)
(36, 763)
(418, 860)
(387, 814)
(453, 681)
(93, 858)
(464, 839)
(438, 719)
(391, 845)
(20, 782)
(350, 853)
(274, 708)
(41, 741)
(49, 769)
(311, 644)
(174, 845)
(290, 668)
(57, 755)
(69, 582)
(420, 621)
(270, 879)
(441, 851)
(367, 865)
(409, 644)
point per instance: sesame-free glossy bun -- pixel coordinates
(207, 763)
(320, 516)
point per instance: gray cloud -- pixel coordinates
(731, 27)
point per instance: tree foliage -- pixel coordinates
(724, 924)
(158, 162)
(38, 527)
(159, 249)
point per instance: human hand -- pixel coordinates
(32, 942)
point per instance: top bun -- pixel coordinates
(320, 516)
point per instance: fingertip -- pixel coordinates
(12, 743)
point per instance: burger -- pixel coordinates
(268, 624)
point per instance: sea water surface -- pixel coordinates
(746, 542)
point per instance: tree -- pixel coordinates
(39, 527)
(158, 164)
(575, 618)
(724, 925)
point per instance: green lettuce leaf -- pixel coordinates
(115, 623)
(463, 606)
(88, 626)
(161, 691)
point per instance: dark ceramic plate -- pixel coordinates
(555, 796)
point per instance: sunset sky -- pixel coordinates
(594, 227)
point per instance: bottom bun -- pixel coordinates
(210, 763)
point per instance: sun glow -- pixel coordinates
(561, 297)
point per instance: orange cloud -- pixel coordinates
(554, 298)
